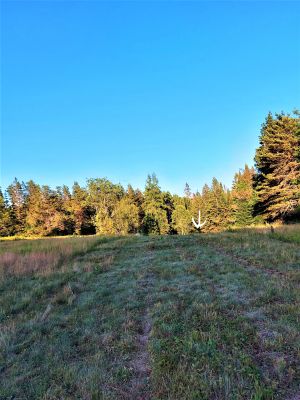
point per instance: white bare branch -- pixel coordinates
(198, 225)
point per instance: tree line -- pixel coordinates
(266, 193)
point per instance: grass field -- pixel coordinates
(205, 316)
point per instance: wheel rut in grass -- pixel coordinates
(264, 354)
(139, 385)
(251, 266)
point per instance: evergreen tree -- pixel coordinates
(6, 220)
(155, 220)
(136, 197)
(35, 205)
(243, 197)
(81, 211)
(181, 216)
(17, 197)
(222, 216)
(278, 167)
(215, 204)
(44, 211)
(168, 207)
(187, 191)
(105, 208)
(56, 221)
(198, 202)
(64, 205)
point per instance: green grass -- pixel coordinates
(288, 233)
(175, 317)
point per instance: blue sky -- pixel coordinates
(123, 89)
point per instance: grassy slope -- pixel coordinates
(195, 317)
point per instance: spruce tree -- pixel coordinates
(6, 220)
(215, 204)
(155, 220)
(80, 210)
(187, 191)
(243, 197)
(45, 214)
(64, 206)
(181, 216)
(278, 167)
(136, 197)
(168, 207)
(17, 193)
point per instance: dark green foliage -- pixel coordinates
(243, 197)
(168, 206)
(155, 208)
(215, 204)
(7, 223)
(181, 216)
(277, 181)
(136, 197)
(17, 196)
(187, 191)
(150, 224)
(81, 211)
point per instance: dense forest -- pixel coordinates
(266, 193)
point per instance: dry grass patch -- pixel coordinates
(41, 256)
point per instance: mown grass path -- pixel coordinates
(195, 317)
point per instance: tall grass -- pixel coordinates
(41, 256)
(287, 233)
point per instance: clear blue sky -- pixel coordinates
(123, 89)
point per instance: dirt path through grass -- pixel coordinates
(140, 362)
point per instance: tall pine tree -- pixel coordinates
(6, 218)
(17, 193)
(277, 182)
(155, 220)
(243, 197)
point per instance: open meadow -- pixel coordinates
(203, 316)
